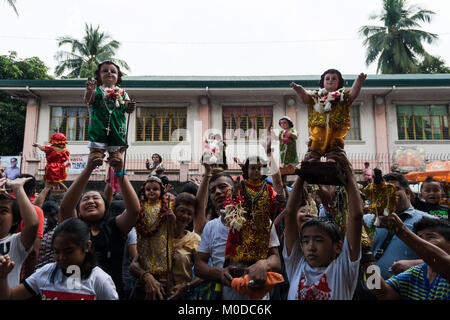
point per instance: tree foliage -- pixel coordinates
(12, 4)
(85, 54)
(13, 110)
(398, 43)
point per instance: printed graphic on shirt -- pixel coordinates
(5, 247)
(316, 291)
(60, 295)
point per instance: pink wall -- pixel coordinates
(381, 130)
(30, 134)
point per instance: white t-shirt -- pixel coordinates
(214, 241)
(335, 282)
(99, 285)
(13, 246)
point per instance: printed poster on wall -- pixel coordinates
(408, 159)
(78, 162)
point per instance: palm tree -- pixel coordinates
(86, 54)
(12, 3)
(397, 44)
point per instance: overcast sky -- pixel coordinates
(213, 37)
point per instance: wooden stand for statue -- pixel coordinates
(327, 173)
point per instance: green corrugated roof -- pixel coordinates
(403, 80)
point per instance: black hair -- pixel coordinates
(219, 175)
(105, 216)
(291, 124)
(14, 209)
(50, 209)
(79, 233)
(366, 163)
(322, 78)
(158, 155)
(190, 188)
(330, 227)
(400, 178)
(253, 160)
(30, 186)
(116, 208)
(430, 180)
(440, 226)
(185, 198)
(97, 72)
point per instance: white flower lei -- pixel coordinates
(234, 216)
(324, 99)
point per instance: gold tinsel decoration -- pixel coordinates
(381, 196)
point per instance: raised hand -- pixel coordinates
(90, 91)
(17, 183)
(95, 158)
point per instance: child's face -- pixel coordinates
(303, 215)
(67, 253)
(152, 191)
(109, 75)
(92, 206)
(184, 214)
(284, 124)
(254, 172)
(431, 192)
(435, 238)
(331, 82)
(155, 158)
(6, 217)
(318, 248)
(169, 196)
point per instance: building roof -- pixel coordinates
(398, 80)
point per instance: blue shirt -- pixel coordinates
(413, 284)
(12, 172)
(397, 249)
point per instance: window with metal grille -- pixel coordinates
(354, 133)
(246, 122)
(160, 124)
(422, 122)
(73, 122)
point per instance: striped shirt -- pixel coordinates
(413, 285)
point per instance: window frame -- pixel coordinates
(428, 104)
(158, 107)
(238, 120)
(66, 131)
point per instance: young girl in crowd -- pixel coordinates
(108, 103)
(12, 211)
(74, 275)
(155, 234)
(108, 234)
(320, 265)
(329, 112)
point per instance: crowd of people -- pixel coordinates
(220, 237)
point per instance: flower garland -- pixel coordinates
(114, 94)
(234, 212)
(324, 100)
(141, 226)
